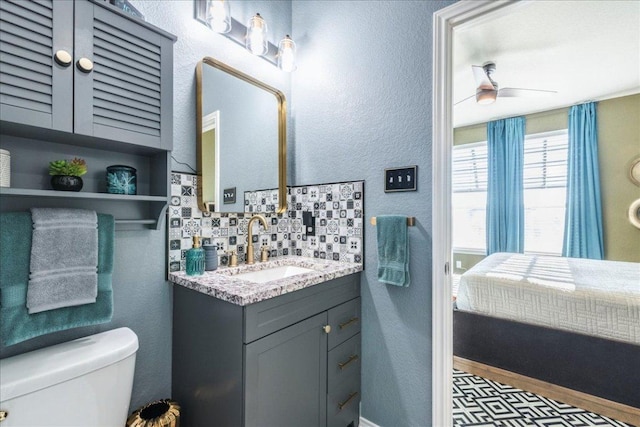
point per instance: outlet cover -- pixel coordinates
(401, 179)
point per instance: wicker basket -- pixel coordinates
(161, 413)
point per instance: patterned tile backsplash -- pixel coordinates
(338, 210)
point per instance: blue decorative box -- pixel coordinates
(121, 179)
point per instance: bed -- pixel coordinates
(567, 321)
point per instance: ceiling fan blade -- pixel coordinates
(482, 80)
(462, 100)
(511, 92)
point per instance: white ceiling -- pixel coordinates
(585, 50)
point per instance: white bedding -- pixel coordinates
(600, 298)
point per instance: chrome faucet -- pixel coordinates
(250, 235)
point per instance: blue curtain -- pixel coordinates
(505, 198)
(583, 217)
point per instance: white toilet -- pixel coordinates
(86, 382)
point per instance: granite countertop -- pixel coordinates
(222, 284)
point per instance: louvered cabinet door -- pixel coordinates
(127, 94)
(35, 89)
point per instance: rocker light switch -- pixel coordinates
(401, 179)
(309, 222)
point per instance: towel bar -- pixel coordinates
(411, 221)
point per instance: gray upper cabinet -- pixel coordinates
(34, 89)
(82, 78)
(85, 68)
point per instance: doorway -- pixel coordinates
(461, 17)
(445, 21)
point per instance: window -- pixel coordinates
(469, 198)
(545, 188)
(544, 178)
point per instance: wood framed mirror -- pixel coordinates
(241, 141)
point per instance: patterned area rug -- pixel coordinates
(481, 402)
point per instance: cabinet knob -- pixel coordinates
(85, 65)
(63, 58)
(326, 329)
(3, 415)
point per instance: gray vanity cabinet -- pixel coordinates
(285, 367)
(274, 363)
(83, 67)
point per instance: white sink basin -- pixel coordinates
(270, 274)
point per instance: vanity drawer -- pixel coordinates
(343, 402)
(343, 361)
(271, 315)
(344, 321)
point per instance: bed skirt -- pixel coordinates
(592, 365)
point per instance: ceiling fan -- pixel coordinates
(488, 90)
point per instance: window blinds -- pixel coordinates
(470, 167)
(545, 163)
(545, 160)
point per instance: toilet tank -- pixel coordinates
(85, 382)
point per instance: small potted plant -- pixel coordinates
(65, 174)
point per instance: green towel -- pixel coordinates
(393, 250)
(16, 325)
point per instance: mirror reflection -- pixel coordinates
(241, 139)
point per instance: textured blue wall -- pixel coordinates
(361, 103)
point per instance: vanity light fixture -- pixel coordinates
(287, 54)
(219, 16)
(216, 14)
(256, 39)
(486, 96)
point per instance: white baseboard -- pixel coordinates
(366, 423)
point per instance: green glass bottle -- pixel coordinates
(195, 258)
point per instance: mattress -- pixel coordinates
(593, 297)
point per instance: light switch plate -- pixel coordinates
(229, 195)
(401, 179)
(309, 222)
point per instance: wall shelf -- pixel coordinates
(27, 192)
(152, 209)
(130, 212)
(31, 186)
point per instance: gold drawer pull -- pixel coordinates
(353, 358)
(349, 322)
(3, 415)
(346, 402)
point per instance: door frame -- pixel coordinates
(458, 15)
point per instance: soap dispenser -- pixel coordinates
(195, 258)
